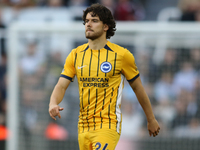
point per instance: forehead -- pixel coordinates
(92, 15)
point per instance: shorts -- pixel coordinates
(101, 139)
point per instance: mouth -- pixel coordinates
(89, 30)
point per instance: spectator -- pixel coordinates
(154, 7)
(78, 3)
(170, 61)
(32, 60)
(128, 11)
(165, 97)
(3, 70)
(197, 16)
(192, 130)
(197, 94)
(52, 3)
(76, 8)
(185, 78)
(164, 88)
(192, 106)
(5, 3)
(132, 120)
(55, 67)
(2, 35)
(55, 3)
(190, 9)
(195, 58)
(22, 4)
(110, 4)
(181, 117)
(143, 66)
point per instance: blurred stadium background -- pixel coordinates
(37, 35)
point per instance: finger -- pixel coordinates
(158, 130)
(60, 109)
(59, 116)
(155, 133)
(150, 133)
(52, 117)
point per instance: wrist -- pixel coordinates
(52, 104)
(150, 119)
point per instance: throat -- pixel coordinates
(97, 45)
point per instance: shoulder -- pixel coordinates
(125, 54)
(81, 48)
(76, 50)
(117, 48)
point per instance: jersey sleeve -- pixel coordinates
(129, 68)
(68, 71)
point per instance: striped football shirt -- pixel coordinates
(100, 74)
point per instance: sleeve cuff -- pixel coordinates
(66, 77)
(134, 78)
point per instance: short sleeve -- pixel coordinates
(68, 71)
(129, 68)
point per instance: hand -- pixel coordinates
(153, 127)
(54, 111)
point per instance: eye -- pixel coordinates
(95, 20)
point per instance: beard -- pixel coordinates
(93, 35)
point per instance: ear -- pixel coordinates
(106, 27)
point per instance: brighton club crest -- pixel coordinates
(105, 67)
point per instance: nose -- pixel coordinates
(88, 23)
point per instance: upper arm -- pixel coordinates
(136, 84)
(69, 68)
(63, 83)
(129, 68)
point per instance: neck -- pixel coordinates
(97, 43)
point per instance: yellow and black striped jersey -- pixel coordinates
(100, 75)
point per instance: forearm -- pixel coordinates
(57, 95)
(142, 98)
(59, 91)
(152, 125)
(145, 103)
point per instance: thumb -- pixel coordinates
(61, 108)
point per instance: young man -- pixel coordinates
(100, 67)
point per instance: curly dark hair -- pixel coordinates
(104, 15)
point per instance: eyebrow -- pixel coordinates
(93, 19)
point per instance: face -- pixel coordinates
(94, 28)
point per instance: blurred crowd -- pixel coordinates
(123, 10)
(173, 85)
